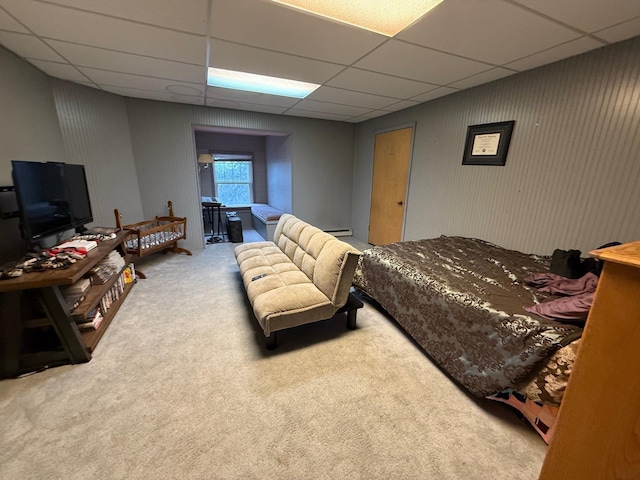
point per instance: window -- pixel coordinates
(233, 179)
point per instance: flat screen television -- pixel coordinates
(78, 192)
(52, 198)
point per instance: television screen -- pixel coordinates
(78, 195)
(52, 197)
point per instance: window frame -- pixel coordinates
(232, 157)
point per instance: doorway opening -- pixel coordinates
(236, 169)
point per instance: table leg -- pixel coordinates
(220, 232)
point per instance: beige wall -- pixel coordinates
(279, 172)
(572, 176)
(165, 151)
(95, 129)
(141, 153)
(29, 130)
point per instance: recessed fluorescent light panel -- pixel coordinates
(387, 17)
(250, 82)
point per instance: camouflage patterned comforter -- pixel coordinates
(461, 300)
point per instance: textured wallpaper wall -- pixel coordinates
(572, 176)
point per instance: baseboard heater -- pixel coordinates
(340, 233)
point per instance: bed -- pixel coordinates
(463, 300)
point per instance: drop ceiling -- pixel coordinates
(160, 49)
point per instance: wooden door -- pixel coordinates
(389, 187)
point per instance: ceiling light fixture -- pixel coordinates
(387, 17)
(250, 82)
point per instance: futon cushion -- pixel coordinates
(303, 276)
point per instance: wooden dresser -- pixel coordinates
(598, 430)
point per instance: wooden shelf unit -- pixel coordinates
(74, 346)
(597, 436)
(92, 337)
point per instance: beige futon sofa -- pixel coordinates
(303, 276)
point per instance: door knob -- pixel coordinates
(400, 202)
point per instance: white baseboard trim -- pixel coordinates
(341, 233)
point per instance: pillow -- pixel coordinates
(574, 309)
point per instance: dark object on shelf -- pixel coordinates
(13, 213)
(234, 228)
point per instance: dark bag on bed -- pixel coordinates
(566, 263)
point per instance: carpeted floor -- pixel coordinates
(181, 387)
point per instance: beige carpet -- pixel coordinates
(181, 387)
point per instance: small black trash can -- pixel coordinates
(234, 227)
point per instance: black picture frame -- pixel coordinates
(488, 144)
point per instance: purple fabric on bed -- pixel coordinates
(559, 285)
(574, 308)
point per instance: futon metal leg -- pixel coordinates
(351, 307)
(271, 341)
(351, 319)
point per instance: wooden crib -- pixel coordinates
(150, 236)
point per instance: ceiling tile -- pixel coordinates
(419, 63)
(185, 15)
(394, 107)
(484, 77)
(114, 79)
(186, 99)
(324, 107)
(346, 97)
(492, 31)
(321, 115)
(367, 116)
(28, 46)
(274, 27)
(437, 93)
(560, 52)
(9, 23)
(84, 56)
(135, 92)
(60, 70)
(241, 96)
(378, 84)
(621, 32)
(230, 104)
(153, 95)
(60, 23)
(586, 15)
(157, 49)
(254, 60)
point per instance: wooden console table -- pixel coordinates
(16, 357)
(597, 436)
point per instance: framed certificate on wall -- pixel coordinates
(487, 144)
